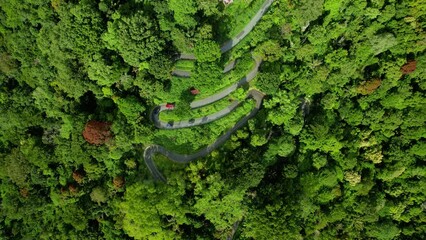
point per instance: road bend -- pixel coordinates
(151, 150)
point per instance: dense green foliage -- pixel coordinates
(337, 152)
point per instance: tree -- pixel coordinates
(409, 67)
(283, 147)
(16, 168)
(210, 8)
(96, 132)
(146, 206)
(307, 11)
(183, 12)
(160, 67)
(268, 83)
(7, 64)
(369, 87)
(98, 195)
(131, 108)
(135, 37)
(386, 230)
(207, 51)
(382, 42)
(270, 51)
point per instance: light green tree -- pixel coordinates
(134, 37)
(183, 12)
(207, 51)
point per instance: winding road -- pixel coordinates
(230, 89)
(191, 122)
(254, 94)
(203, 102)
(247, 29)
(184, 158)
(228, 45)
(183, 73)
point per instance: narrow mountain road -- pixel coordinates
(228, 45)
(203, 102)
(247, 29)
(230, 89)
(150, 151)
(183, 73)
(191, 122)
(256, 95)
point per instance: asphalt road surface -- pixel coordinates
(183, 73)
(228, 45)
(203, 102)
(150, 151)
(247, 29)
(230, 89)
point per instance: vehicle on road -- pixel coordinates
(194, 91)
(170, 124)
(156, 110)
(170, 106)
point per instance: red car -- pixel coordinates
(170, 106)
(195, 91)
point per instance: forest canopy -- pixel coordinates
(336, 151)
